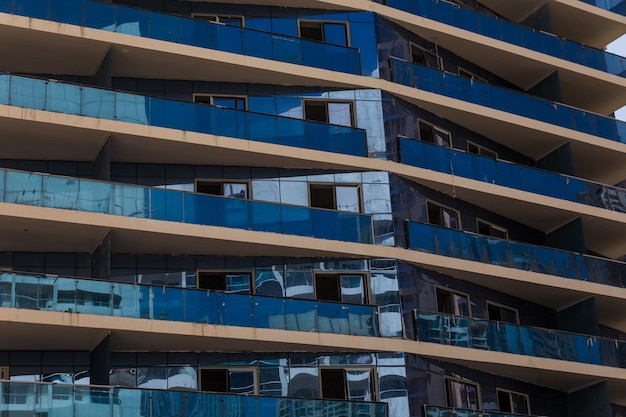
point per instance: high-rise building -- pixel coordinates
(328, 208)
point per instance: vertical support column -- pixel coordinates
(101, 258)
(101, 165)
(548, 88)
(579, 318)
(104, 75)
(539, 19)
(591, 401)
(559, 160)
(568, 237)
(100, 362)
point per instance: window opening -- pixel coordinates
(4, 372)
(333, 382)
(468, 74)
(488, 229)
(451, 302)
(513, 402)
(226, 101)
(347, 384)
(462, 394)
(443, 216)
(421, 56)
(335, 197)
(347, 288)
(333, 112)
(230, 281)
(330, 32)
(432, 134)
(228, 380)
(223, 188)
(502, 313)
(229, 20)
(481, 150)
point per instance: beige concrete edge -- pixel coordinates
(309, 244)
(345, 161)
(363, 5)
(305, 340)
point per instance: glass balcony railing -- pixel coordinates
(482, 24)
(520, 340)
(58, 97)
(108, 298)
(158, 204)
(472, 247)
(436, 411)
(521, 104)
(507, 174)
(615, 6)
(21, 398)
(170, 28)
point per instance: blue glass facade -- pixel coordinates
(373, 87)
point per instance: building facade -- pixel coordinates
(322, 208)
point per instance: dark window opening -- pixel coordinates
(230, 102)
(512, 402)
(214, 380)
(224, 281)
(430, 134)
(316, 111)
(421, 56)
(449, 302)
(322, 196)
(479, 150)
(462, 395)
(334, 112)
(335, 33)
(312, 31)
(226, 189)
(500, 313)
(442, 216)
(487, 229)
(333, 383)
(228, 20)
(347, 288)
(327, 288)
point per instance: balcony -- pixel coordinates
(436, 411)
(114, 299)
(510, 101)
(75, 400)
(173, 206)
(472, 247)
(508, 174)
(57, 97)
(545, 43)
(519, 340)
(192, 32)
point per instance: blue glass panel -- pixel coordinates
(296, 220)
(232, 212)
(98, 103)
(63, 98)
(235, 310)
(362, 321)
(332, 318)
(59, 192)
(99, 16)
(23, 188)
(27, 92)
(301, 315)
(269, 313)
